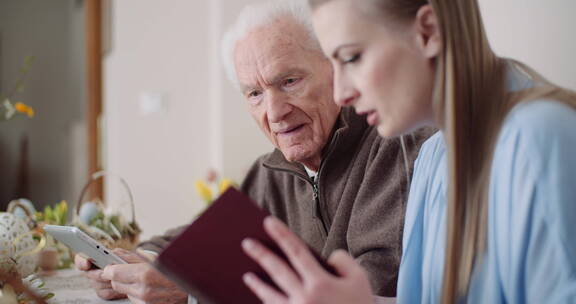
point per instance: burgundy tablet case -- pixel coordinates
(207, 260)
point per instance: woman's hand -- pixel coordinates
(309, 283)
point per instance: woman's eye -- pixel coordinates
(351, 59)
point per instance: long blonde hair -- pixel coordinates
(471, 101)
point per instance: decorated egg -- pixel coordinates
(22, 207)
(15, 242)
(87, 212)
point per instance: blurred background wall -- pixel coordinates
(53, 165)
(170, 114)
(541, 33)
(170, 48)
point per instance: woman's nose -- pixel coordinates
(346, 98)
(344, 93)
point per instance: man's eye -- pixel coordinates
(351, 59)
(290, 81)
(253, 94)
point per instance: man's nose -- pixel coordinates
(278, 107)
(344, 93)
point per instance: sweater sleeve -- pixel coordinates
(159, 242)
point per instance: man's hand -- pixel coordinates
(140, 282)
(135, 280)
(102, 287)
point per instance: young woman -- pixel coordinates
(493, 193)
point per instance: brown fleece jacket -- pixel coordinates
(357, 202)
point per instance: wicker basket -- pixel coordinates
(30, 216)
(128, 240)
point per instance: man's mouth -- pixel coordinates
(291, 130)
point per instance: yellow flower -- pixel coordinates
(203, 191)
(225, 183)
(63, 207)
(61, 212)
(23, 108)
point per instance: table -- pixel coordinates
(70, 287)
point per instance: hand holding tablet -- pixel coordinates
(81, 243)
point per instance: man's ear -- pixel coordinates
(427, 28)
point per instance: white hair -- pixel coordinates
(261, 14)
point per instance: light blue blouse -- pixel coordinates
(531, 249)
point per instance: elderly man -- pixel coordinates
(331, 178)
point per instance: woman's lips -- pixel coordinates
(372, 118)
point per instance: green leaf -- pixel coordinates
(48, 214)
(61, 210)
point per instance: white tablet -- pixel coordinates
(83, 244)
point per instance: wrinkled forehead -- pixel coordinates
(269, 51)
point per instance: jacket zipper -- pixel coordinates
(315, 191)
(317, 207)
(315, 199)
(321, 215)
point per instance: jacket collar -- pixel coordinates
(347, 131)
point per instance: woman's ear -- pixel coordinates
(428, 31)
